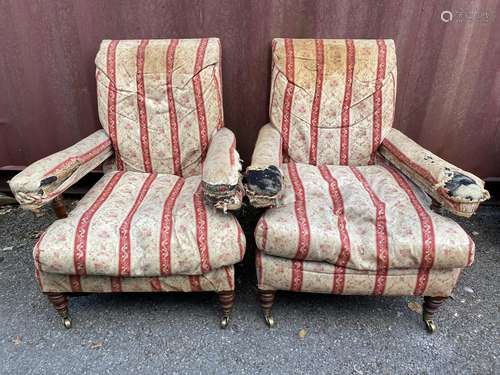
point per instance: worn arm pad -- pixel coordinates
(45, 179)
(458, 191)
(264, 178)
(221, 179)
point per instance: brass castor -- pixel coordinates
(60, 302)
(269, 320)
(67, 322)
(430, 306)
(226, 300)
(266, 299)
(430, 325)
(224, 322)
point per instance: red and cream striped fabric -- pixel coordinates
(275, 273)
(160, 101)
(133, 224)
(221, 178)
(222, 164)
(217, 280)
(366, 218)
(433, 174)
(43, 180)
(333, 100)
(345, 221)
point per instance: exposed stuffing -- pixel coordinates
(263, 186)
(265, 182)
(223, 197)
(49, 184)
(463, 187)
(48, 181)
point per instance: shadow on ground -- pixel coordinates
(179, 333)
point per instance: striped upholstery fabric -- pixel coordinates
(45, 179)
(345, 221)
(333, 100)
(150, 223)
(160, 101)
(434, 174)
(134, 224)
(218, 280)
(368, 219)
(274, 273)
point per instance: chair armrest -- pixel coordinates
(45, 179)
(460, 192)
(221, 179)
(264, 178)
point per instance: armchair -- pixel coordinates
(154, 222)
(347, 212)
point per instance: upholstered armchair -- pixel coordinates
(156, 220)
(347, 210)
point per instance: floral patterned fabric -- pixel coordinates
(45, 179)
(267, 154)
(146, 225)
(133, 224)
(160, 101)
(363, 218)
(332, 100)
(274, 273)
(160, 104)
(345, 221)
(458, 191)
(222, 164)
(267, 150)
(221, 172)
(217, 280)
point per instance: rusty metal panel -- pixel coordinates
(449, 86)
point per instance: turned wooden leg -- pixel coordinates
(266, 299)
(226, 300)
(60, 302)
(58, 207)
(430, 306)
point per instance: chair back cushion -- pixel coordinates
(333, 99)
(160, 101)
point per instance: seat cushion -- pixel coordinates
(137, 224)
(274, 273)
(363, 218)
(217, 280)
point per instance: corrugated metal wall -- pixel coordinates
(449, 77)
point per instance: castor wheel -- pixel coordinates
(226, 300)
(430, 306)
(67, 322)
(269, 321)
(430, 325)
(224, 322)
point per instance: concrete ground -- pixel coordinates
(179, 333)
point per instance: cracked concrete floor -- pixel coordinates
(179, 333)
